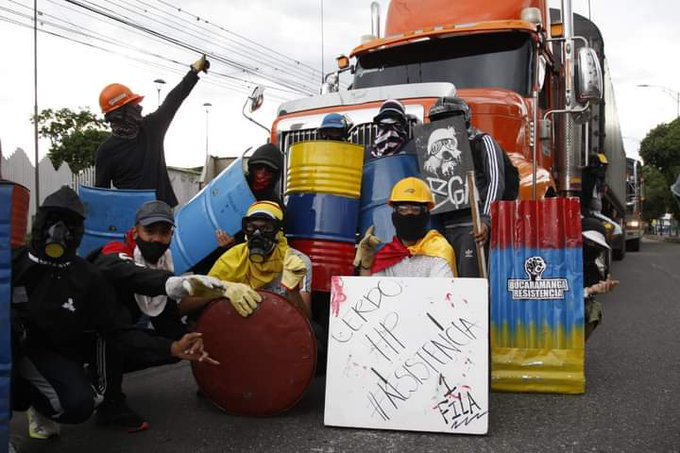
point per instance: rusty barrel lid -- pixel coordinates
(267, 360)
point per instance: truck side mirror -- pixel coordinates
(256, 98)
(590, 82)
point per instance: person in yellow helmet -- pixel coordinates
(134, 157)
(414, 251)
(265, 260)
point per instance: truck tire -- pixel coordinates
(620, 253)
(633, 245)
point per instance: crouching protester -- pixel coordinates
(146, 290)
(59, 301)
(414, 251)
(594, 279)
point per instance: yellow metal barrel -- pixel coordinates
(325, 167)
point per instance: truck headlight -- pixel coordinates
(634, 224)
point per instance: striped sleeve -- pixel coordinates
(495, 174)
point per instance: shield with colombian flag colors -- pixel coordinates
(537, 305)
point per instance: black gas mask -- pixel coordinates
(410, 221)
(56, 235)
(261, 236)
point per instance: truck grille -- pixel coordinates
(362, 134)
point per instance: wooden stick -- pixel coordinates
(476, 222)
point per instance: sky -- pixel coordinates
(640, 39)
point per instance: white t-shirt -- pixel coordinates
(418, 266)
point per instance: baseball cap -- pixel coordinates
(154, 211)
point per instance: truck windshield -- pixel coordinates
(499, 60)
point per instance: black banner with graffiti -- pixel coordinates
(444, 157)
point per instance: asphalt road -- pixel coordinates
(632, 403)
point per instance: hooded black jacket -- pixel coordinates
(139, 163)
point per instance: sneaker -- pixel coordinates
(117, 413)
(41, 427)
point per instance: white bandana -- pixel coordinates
(153, 306)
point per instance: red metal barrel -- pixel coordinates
(328, 259)
(267, 360)
(21, 198)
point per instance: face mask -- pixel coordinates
(592, 271)
(151, 251)
(410, 227)
(260, 246)
(125, 121)
(262, 179)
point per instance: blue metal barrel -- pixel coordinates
(380, 175)
(219, 205)
(6, 191)
(322, 217)
(110, 213)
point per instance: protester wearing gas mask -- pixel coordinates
(142, 272)
(134, 156)
(414, 251)
(58, 301)
(595, 278)
(265, 260)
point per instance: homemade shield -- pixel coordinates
(444, 158)
(537, 305)
(267, 360)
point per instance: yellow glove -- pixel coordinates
(243, 298)
(294, 271)
(202, 64)
(366, 250)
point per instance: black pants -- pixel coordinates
(56, 386)
(463, 243)
(110, 362)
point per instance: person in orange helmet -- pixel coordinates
(134, 157)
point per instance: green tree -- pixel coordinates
(660, 150)
(74, 136)
(657, 195)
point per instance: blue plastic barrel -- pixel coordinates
(6, 191)
(110, 213)
(322, 217)
(220, 205)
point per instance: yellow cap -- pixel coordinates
(268, 208)
(602, 158)
(412, 190)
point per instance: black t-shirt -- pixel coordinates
(139, 163)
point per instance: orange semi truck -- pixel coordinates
(534, 83)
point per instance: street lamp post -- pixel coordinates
(159, 84)
(207, 106)
(669, 91)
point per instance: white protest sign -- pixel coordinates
(408, 354)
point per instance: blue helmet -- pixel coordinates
(334, 121)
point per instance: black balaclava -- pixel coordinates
(151, 251)
(271, 156)
(591, 271)
(410, 227)
(58, 228)
(125, 121)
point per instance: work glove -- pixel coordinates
(194, 285)
(294, 271)
(366, 250)
(202, 64)
(243, 298)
